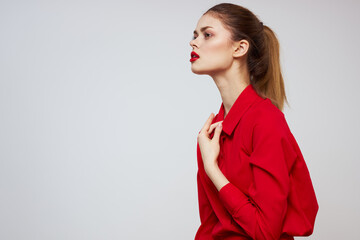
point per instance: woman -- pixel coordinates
(252, 180)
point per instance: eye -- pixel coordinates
(207, 35)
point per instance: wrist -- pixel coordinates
(211, 169)
(216, 176)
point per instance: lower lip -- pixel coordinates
(193, 59)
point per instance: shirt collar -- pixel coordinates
(246, 98)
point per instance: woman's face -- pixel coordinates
(212, 42)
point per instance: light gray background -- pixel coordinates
(100, 113)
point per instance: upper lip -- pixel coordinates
(194, 54)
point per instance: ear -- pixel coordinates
(240, 48)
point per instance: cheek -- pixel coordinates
(218, 53)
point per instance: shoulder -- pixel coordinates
(264, 115)
(263, 120)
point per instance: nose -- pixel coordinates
(192, 43)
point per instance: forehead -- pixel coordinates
(213, 22)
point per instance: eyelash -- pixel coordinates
(205, 35)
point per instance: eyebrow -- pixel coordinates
(202, 29)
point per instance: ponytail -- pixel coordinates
(270, 84)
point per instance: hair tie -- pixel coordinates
(262, 25)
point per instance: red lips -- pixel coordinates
(194, 56)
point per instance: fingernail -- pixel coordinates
(219, 125)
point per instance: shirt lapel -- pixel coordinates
(246, 98)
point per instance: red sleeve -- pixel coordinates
(205, 209)
(207, 215)
(261, 214)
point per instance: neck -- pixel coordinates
(230, 84)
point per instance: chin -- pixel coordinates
(200, 71)
(210, 72)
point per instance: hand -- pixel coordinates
(210, 148)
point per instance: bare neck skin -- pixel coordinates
(231, 83)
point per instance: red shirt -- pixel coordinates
(270, 194)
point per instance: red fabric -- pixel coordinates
(270, 194)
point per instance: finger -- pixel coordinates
(217, 132)
(213, 126)
(208, 122)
